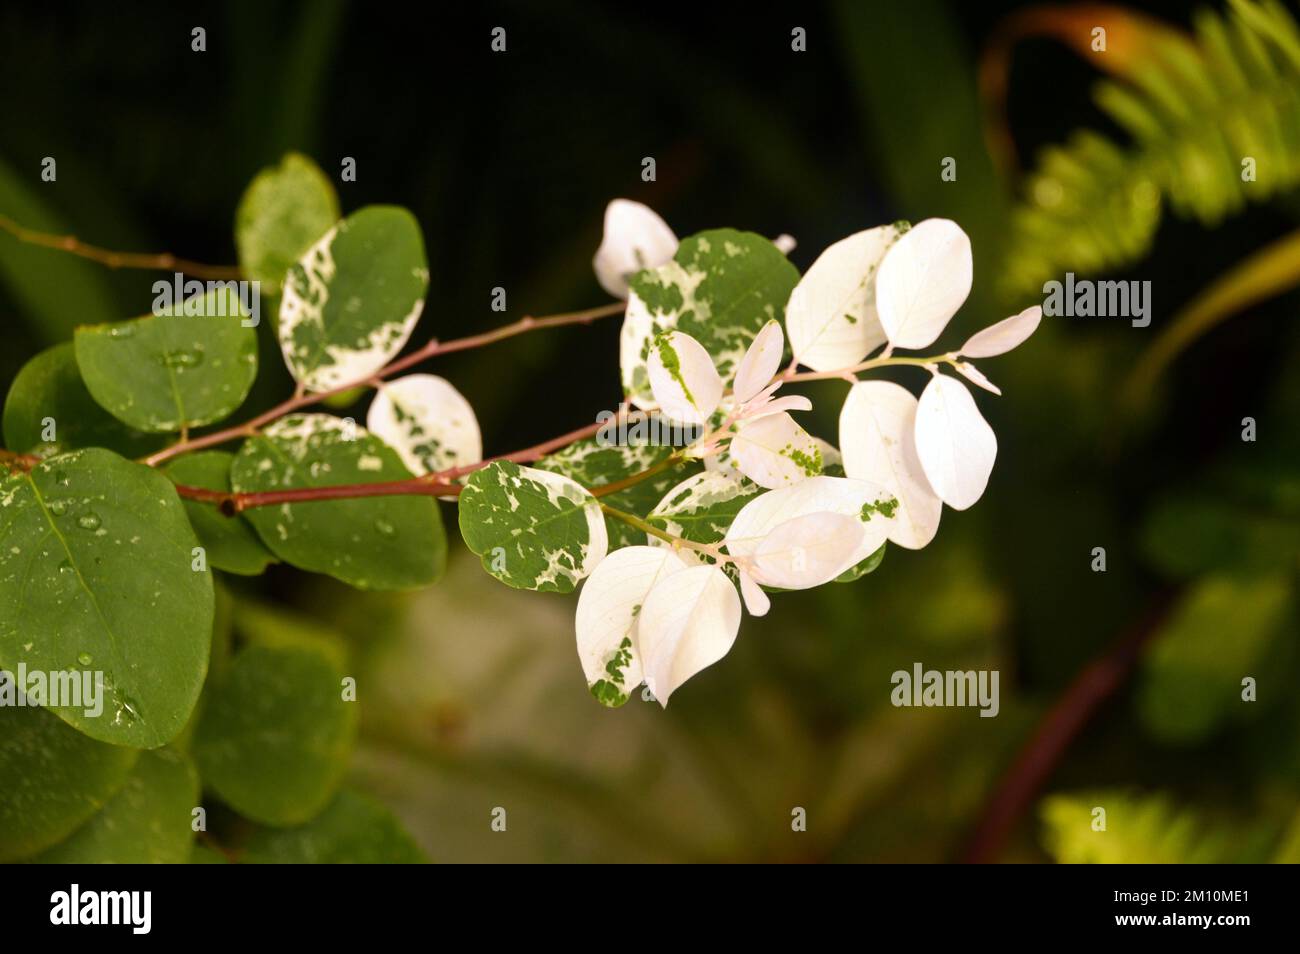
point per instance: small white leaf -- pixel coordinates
(956, 445)
(427, 421)
(924, 278)
(635, 238)
(685, 383)
(866, 501)
(976, 377)
(831, 317)
(606, 621)
(1006, 334)
(809, 550)
(791, 402)
(761, 362)
(688, 622)
(877, 440)
(775, 451)
(756, 601)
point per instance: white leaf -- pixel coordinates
(809, 550)
(635, 238)
(761, 362)
(685, 383)
(975, 376)
(775, 451)
(688, 622)
(831, 316)
(923, 280)
(756, 601)
(956, 445)
(428, 422)
(852, 498)
(1006, 334)
(877, 440)
(785, 244)
(790, 402)
(608, 611)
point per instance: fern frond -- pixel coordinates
(1193, 114)
(1143, 829)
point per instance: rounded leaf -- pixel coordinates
(1007, 334)
(809, 550)
(774, 451)
(831, 318)
(427, 421)
(350, 303)
(191, 365)
(878, 443)
(532, 529)
(635, 238)
(683, 379)
(687, 623)
(954, 442)
(923, 280)
(282, 212)
(380, 543)
(761, 362)
(98, 580)
(869, 503)
(606, 622)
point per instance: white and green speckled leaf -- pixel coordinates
(594, 464)
(721, 288)
(877, 439)
(428, 422)
(381, 543)
(533, 529)
(831, 317)
(283, 211)
(775, 451)
(96, 575)
(701, 508)
(351, 301)
(606, 620)
(192, 365)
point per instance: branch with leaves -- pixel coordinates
(674, 534)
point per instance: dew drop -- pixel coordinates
(88, 521)
(385, 528)
(85, 659)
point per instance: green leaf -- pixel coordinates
(231, 543)
(353, 830)
(1219, 634)
(148, 821)
(178, 369)
(1142, 829)
(276, 733)
(593, 464)
(381, 543)
(532, 529)
(95, 576)
(721, 287)
(54, 779)
(351, 300)
(49, 387)
(1195, 533)
(284, 210)
(201, 854)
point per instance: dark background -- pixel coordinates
(508, 161)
